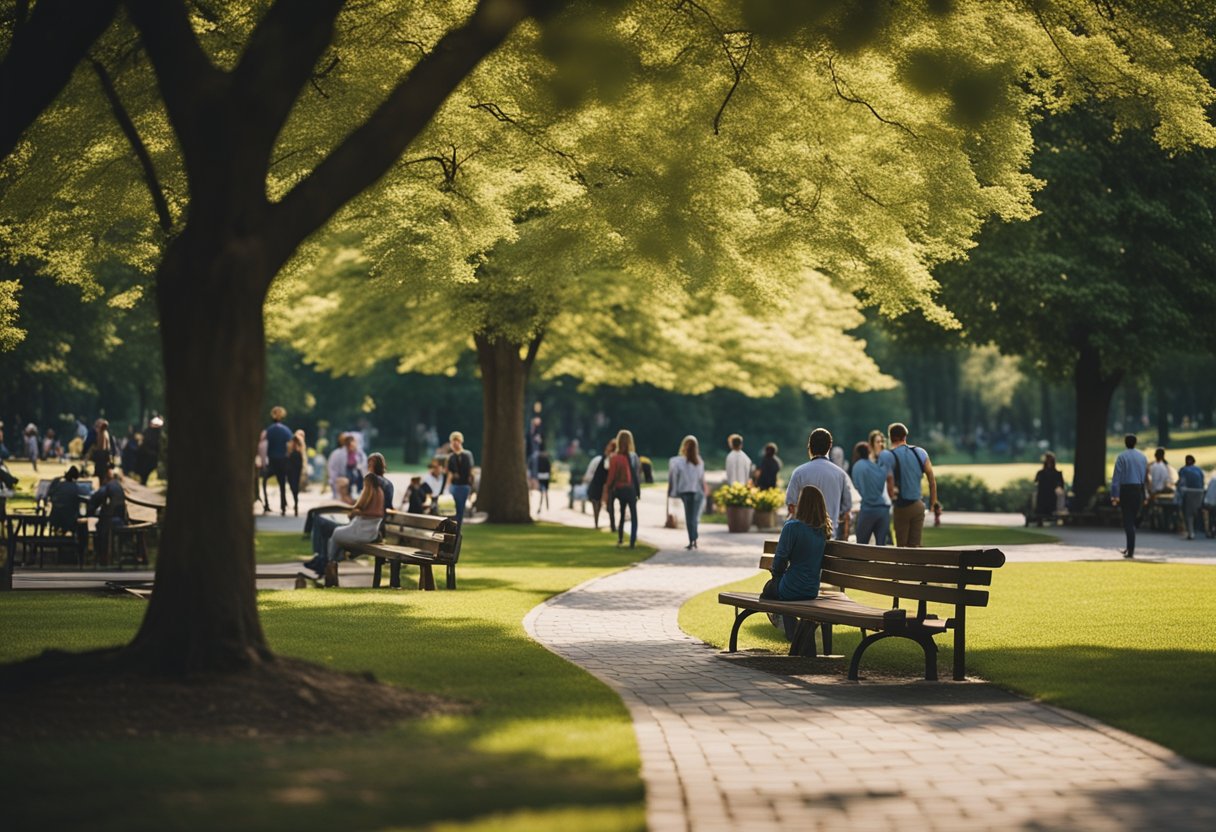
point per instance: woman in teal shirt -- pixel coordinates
(799, 556)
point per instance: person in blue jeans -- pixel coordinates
(686, 480)
(798, 560)
(874, 518)
(460, 473)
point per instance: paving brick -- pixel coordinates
(728, 747)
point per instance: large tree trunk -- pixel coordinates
(203, 614)
(1094, 392)
(504, 472)
(1163, 415)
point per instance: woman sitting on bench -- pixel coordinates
(367, 514)
(799, 556)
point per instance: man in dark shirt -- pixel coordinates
(460, 473)
(64, 496)
(109, 503)
(278, 435)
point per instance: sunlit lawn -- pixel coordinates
(1128, 643)
(547, 746)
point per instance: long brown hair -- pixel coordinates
(624, 442)
(812, 510)
(688, 448)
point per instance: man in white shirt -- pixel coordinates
(738, 464)
(824, 475)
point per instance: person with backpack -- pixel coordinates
(906, 465)
(623, 486)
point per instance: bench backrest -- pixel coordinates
(942, 576)
(435, 535)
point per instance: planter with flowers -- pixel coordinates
(739, 501)
(766, 504)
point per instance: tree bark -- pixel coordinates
(503, 492)
(1163, 416)
(1094, 392)
(203, 615)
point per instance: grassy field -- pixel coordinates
(547, 746)
(1127, 643)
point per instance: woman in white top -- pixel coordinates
(436, 479)
(686, 480)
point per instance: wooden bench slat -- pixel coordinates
(838, 610)
(904, 572)
(420, 521)
(990, 558)
(430, 541)
(899, 571)
(916, 592)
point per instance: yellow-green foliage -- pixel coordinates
(736, 494)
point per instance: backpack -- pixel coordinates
(899, 476)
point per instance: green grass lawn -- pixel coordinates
(1128, 643)
(546, 747)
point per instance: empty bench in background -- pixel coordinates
(940, 576)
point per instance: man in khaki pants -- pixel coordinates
(905, 465)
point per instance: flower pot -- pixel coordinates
(739, 518)
(765, 519)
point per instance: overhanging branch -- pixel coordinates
(161, 205)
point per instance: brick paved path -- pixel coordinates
(724, 746)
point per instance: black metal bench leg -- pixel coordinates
(394, 574)
(930, 647)
(826, 630)
(451, 576)
(376, 574)
(855, 662)
(426, 577)
(740, 617)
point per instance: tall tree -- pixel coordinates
(1117, 266)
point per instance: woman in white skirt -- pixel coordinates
(366, 515)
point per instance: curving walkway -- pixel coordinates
(727, 747)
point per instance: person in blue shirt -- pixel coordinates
(278, 436)
(874, 518)
(906, 465)
(1127, 489)
(799, 556)
(1190, 492)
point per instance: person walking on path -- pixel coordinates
(1127, 489)
(622, 486)
(101, 448)
(827, 477)
(297, 449)
(1048, 487)
(768, 468)
(594, 478)
(798, 560)
(460, 473)
(874, 518)
(738, 464)
(905, 466)
(278, 435)
(1190, 492)
(31, 443)
(686, 480)
(544, 473)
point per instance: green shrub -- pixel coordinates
(964, 492)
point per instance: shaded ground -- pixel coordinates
(64, 696)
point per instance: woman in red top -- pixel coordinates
(622, 485)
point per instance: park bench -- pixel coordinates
(941, 576)
(422, 540)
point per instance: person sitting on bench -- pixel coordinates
(366, 517)
(109, 503)
(64, 496)
(799, 556)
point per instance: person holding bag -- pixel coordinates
(622, 487)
